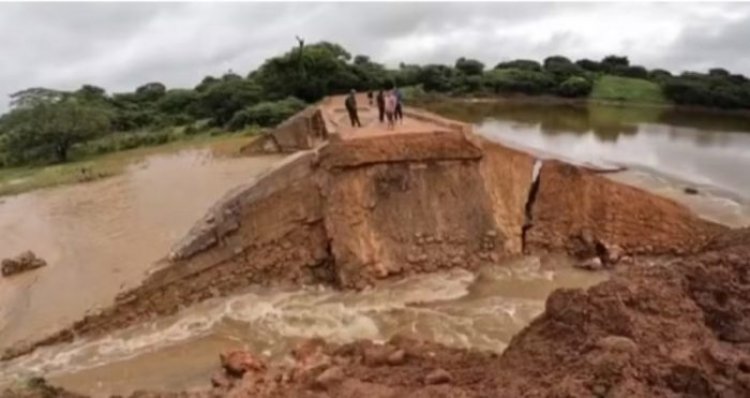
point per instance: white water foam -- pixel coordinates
(339, 316)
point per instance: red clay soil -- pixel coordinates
(667, 328)
(580, 211)
(358, 210)
(657, 328)
(355, 211)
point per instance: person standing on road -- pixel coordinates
(399, 111)
(369, 96)
(390, 108)
(351, 107)
(381, 105)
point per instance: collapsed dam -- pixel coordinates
(351, 207)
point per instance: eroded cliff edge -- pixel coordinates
(359, 208)
(664, 327)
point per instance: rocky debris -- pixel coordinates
(221, 380)
(236, 363)
(617, 344)
(24, 262)
(437, 376)
(329, 377)
(670, 328)
(396, 358)
(591, 264)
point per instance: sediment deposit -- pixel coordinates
(364, 205)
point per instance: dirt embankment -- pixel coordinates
(356, 210)
(674, 328)
(665, 328)
(657, 328)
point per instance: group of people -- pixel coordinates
(390, 107)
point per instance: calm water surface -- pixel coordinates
(665, 150)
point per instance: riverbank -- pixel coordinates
(425, 100)
(16, 180)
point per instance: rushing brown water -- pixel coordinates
(455, 308)
(101, 237)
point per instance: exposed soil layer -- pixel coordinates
(657, 328)
(666, 328)
(365, 206)
(585, 214)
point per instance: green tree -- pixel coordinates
(659, 74)
(266, 114)
(49, 129)
(575, 86)
(635, 71)
(367, 75)
(178, 101)
(150, 92)
(555, 60)
(406, 75)
(222, 99)
(611, 62)
(308, 72)
(718, 72)
(524, 64)
(91, 94)
(469, 67)
(561, 68)
(589, 65)
(436, 78)
(519, 81)
(34, 96)
(206, 83)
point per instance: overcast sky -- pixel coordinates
(121, 45)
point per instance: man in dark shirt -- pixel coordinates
(399, 105)
(351, 107)
(381, 105)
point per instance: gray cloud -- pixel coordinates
(121, 45)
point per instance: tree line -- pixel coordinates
(43, 124)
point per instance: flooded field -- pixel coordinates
(101, 237)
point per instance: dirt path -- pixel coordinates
(371, 125)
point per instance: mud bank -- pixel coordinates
(658, 328)
(663, 328)
(367, 205)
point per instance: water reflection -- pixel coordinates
(701, 148)
(607, 122)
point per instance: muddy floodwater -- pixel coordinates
(664, 150)
(101, 237)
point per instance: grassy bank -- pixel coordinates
(22, 179)
(627, 90)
